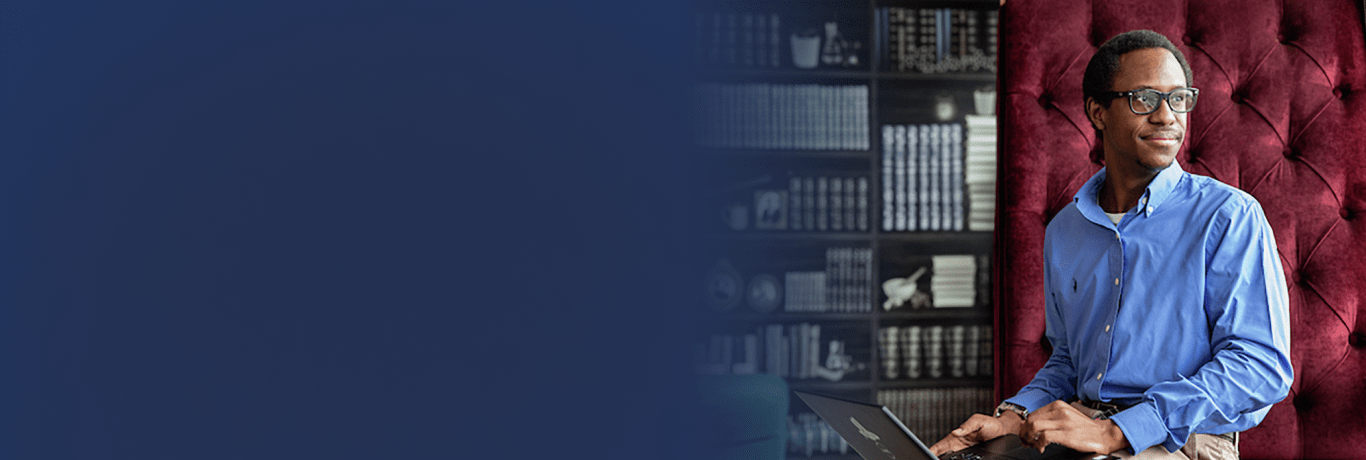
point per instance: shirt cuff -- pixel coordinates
(1032, 400)
(1143, 428)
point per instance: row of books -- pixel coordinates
(810, 203)
(936, 40)
(981, 172)
(922, 177)
(808, 435)
(828, 203)
(780, 116)
(734, 39)
(844, 286)
(935, 351)
(931, 413)
(791, 351)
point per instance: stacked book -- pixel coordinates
(922, 178)
(936, 40)
(953, 283)
(780, 116)
(931, 413)
(981, 172)
(845, 286)
(934, 351)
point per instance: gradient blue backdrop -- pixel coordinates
(378, 230)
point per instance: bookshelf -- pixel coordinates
(849, 196)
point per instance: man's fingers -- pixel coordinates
(948, 444)
(960, 438)
(972, 424)
(1039, 440)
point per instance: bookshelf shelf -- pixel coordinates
(778, 238)
(789, 155)
(825, 386)
(909, 384)
(786, 74)
(785, 317)
(845, 179)
(985, 78)
(936, 314)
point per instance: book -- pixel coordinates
(980, 173)
(836, 206)
(779, 116)
(904, 155)
(936, 40)
(910, 351)
(952, 285)
(931, 413)
(862, 213)
(932, 338)
(888, 347)
(889, 176)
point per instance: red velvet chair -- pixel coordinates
(1282, 115)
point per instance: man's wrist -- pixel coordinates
(1008, 407)
(1117, 439)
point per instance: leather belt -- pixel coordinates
(1108, 409)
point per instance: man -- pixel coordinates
(1166, 301)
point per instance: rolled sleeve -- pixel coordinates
(1143, 428)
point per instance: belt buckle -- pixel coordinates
(1106, 409)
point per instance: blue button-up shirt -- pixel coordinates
(1179, 310)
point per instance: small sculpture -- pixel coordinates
(901, 290)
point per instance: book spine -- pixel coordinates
(888, 177)
(903, 134)
(836, 204)
(863, 189)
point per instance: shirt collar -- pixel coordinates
(1157, 192)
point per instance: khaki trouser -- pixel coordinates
(1199, 447)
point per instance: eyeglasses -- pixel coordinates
(1146, 101)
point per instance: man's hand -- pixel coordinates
(1061, 423)
(978, 428)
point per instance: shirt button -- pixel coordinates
(1098, 376)
(1116, 236)
(1116, 281)
(1150, 209)
(1107, 328)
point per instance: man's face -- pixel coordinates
(1147, 141)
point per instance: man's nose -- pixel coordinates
(1164, 114)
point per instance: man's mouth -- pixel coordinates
(1164, 137)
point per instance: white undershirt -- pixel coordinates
(1115, 216)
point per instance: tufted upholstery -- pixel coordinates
(1282, 115)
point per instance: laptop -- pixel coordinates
(876, 434)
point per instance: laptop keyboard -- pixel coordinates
(961, 456)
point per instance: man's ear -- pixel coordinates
(1095, 112)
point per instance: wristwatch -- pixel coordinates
(1012, 407)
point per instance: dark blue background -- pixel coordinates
(342, 230)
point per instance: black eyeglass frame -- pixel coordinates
(1195, 97)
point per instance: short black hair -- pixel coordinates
(1100, 72)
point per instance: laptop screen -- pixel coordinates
(870, 429)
